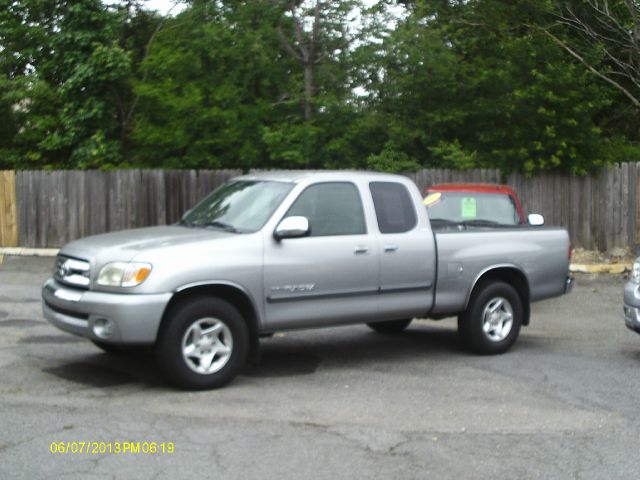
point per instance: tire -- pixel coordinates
(390, 326)
(203, 344)
(491, 323)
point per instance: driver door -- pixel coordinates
(330, 276)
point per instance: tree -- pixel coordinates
(320, 36)
(319, 32)
(470, 84)
(212, 82)
(63, 68)
(608, 41)
(319, 83)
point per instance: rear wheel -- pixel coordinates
(390, 326)
(491, 324)
(203, 344)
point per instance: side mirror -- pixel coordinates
(292, 227)
(535, 219)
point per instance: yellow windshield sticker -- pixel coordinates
(469, 207)
(432, 199)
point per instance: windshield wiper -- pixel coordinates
(224, 226)
(443, 221)
(186, 223)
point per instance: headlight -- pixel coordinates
(123, 274)
(635, 273)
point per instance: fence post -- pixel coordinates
(8, 211)
(636, 207)
(632, 199)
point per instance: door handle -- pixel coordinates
(361, 249)
(390, 248)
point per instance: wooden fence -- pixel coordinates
(601, 210)
(56, 207)
(8, 220)
(48, 209)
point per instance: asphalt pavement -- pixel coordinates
(329, 404)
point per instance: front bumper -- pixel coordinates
(632, 306)
(134, 318)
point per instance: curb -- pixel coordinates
(612, 268)
(29, 252)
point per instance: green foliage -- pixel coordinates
(391, 159)
(452, 155)
(209, 89)
(473, 84)
(64, 70)
(290, 147)
(450, 84)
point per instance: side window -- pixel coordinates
(394, 207)
(331, 208)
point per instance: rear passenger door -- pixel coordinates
(329, 277)
(407, 258)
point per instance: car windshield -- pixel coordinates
(472, 208)
(240, 206)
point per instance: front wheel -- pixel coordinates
(390, 326)
(203, 344)
(491, 323)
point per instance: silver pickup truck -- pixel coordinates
(291, 250)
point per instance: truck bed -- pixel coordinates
(541, 253)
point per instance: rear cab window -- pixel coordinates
(394, 207)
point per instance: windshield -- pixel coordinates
(470, 207)
(238, 206)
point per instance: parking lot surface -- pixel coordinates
(327, 404)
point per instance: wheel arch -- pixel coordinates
(510, 274)
(232, 293)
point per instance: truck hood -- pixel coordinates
(125, 245)
(178, 255)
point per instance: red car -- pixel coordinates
(477, 203)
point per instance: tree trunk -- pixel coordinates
(308, 91)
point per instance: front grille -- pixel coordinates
(73, 272)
